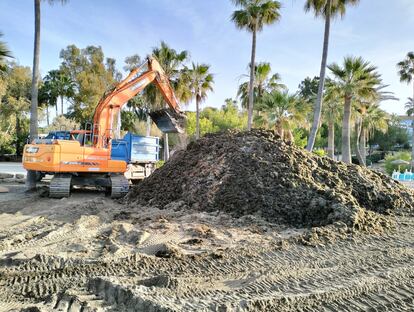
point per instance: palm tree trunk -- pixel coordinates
(251, 83)
(358, 130)
(197, 118)
(61, 104)
(362, 143)
(280, 131)
(331, 138)
(319, 98)
(289, 136)
(35, 74)
(346, 131)
(31, 175)
(148, 132)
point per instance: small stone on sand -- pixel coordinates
(4, 189)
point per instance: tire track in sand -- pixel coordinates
(370, 272)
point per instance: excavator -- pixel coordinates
(87, 157)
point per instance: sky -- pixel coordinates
(378, 30)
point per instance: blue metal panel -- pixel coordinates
(120, 150)
(142, 148)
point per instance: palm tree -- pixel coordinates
(281, 111)
(409, 106)
(4, 53)
(264, 82)
(31, 176)
(368, 112)
(46, 98)
(199, 81)
(66, 88)
(406, 72)
(59, 85)
(328, 9)
(172, 62)
(331, 112)
(374, 119)
(252, 16)
(357, 78)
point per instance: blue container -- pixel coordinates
(135, 148)
(142, 148)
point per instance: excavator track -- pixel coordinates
(60, 186)
(119, 186)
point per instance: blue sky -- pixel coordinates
(378, 30)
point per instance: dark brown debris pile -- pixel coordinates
(256, 173)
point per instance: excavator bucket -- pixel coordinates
(168, 121)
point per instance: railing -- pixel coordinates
(407, 176)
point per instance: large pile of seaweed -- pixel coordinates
(257, 173)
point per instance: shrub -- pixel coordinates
(319, 152)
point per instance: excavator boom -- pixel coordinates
(168, 120)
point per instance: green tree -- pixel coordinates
(214, 120)
(63, 123)
(206, 125)
(283, 112)
(252, 16)
(4, 54)
(356, 78)
(15, 104)
(406, 73)
(327, 9)
(396, 136)
(90, 75)
(200, 82)
(132, 62)
(264, 82)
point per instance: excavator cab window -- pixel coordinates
(58, 135)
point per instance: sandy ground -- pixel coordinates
(90, 253)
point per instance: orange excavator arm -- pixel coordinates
(111, 105)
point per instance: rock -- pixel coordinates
(6, 175)
(9, 180)
(4, 189)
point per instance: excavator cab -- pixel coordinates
(168, 120)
